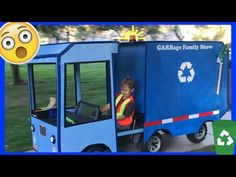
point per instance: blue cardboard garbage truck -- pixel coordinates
(179, 86)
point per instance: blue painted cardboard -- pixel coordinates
(172, 79)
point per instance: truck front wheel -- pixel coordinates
(97, 149)
(199, 136)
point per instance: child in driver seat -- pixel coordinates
(124, 104)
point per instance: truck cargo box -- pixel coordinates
(176, 83)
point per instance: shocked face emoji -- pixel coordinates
(19, 42)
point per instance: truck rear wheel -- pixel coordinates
(154, 143)
(199, 136)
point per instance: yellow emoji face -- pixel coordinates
(19, 42)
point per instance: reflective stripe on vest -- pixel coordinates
(118, 98)
(121, 107)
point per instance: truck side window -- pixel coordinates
(92, 92)
(93, 82)
(45, 91)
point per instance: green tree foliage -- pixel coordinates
(209, 33)
(50, 31)
(151, 32)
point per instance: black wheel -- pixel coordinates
(154, 143)
(199, 136)
(96, 149)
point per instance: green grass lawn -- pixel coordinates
(17, 118)
(17, 111)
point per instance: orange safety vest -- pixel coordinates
(120, 109)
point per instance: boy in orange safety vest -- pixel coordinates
(124, 104)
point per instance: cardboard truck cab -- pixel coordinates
(175, 92)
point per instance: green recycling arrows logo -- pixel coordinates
(224, 136)
(229, 139)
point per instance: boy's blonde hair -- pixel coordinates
(127, 81)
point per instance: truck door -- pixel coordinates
(43, 106)
(87, 87)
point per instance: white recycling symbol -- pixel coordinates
(229, 139)
(182, 77)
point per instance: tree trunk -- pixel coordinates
(17, 80)
(178, 33)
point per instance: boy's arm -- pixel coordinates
(105, 108)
